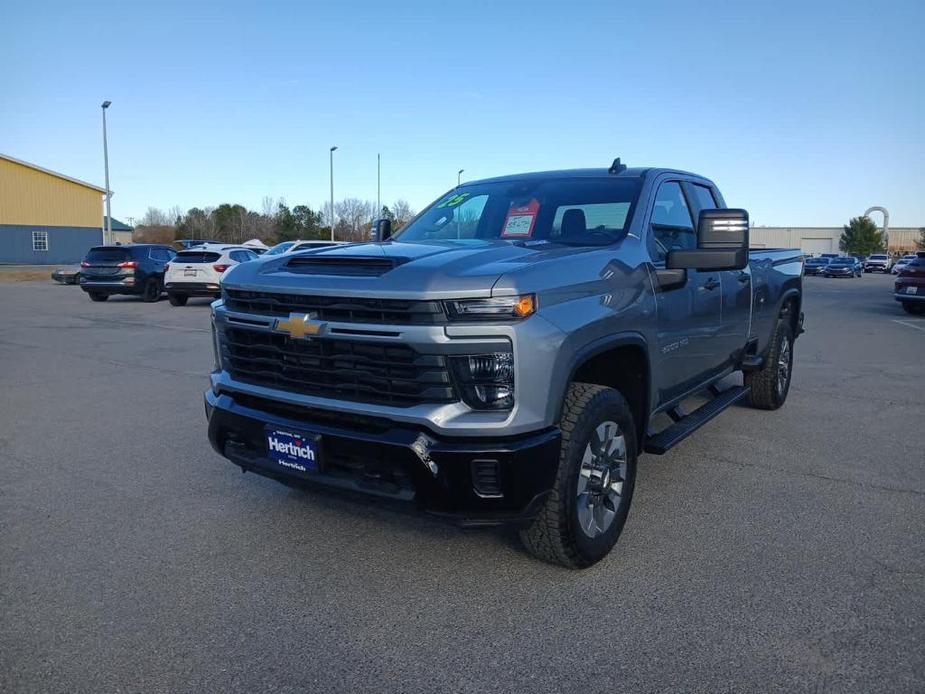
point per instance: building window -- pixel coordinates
(39, 240)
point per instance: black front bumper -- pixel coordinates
(473, 481)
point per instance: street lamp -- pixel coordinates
(459, 177)
(107, 231)
(332, 192)
(378, 186)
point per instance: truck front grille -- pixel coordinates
(337, 309)
(371, 372)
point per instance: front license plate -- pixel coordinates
(189, 273)
(297, 453)
(911, 290)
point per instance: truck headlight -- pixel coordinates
(496, 308)
(486, 381)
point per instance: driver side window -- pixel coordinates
(672, 227)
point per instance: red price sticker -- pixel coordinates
(520, 220)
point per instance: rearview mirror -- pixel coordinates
(722, 243)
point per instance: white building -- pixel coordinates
(816, 240)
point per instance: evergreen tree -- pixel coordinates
(861, 237)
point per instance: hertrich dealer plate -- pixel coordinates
(298, 453)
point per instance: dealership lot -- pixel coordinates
(781, 550)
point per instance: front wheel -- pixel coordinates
(588, 505)
(770, 384)
(96, 296)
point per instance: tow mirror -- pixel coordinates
(383, 229)
(722, 243)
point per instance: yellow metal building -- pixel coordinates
(45, 216)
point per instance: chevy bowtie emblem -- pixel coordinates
(300, 325)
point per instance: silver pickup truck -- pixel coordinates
(507, 356)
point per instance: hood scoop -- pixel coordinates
(349, 266)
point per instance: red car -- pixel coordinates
(910, 285)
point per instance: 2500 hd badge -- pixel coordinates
(494, 374)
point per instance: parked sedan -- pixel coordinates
(67, 275)
(845, 266)
(901, 264)
(815, 266)
(909, 289)
(198, 271)
(136, 268)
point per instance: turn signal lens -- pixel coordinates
(526, 306)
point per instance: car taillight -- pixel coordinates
(166, 267)
(220, 268)
(129, 264)
(84, 263)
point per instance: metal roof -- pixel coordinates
(51, 173)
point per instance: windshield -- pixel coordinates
(878, 257)
(280, 248)
(843, 261)
(817, 261)
(573, 211)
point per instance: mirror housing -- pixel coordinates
(722, 243)
(383, 229)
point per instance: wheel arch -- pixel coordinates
(595, 363)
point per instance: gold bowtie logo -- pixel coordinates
(300, 325)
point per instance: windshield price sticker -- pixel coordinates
(520, 220)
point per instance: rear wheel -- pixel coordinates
(96, 296)
(152, 291)
(177, 299)
(588, 505)
(770, 384)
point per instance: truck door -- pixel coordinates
(688, 316)
(736, 284)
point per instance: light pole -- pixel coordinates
(459, 177)
(378, 185)
(107, 232)
(332, 192)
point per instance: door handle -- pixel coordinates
(711, 284)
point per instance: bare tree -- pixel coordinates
(402, 212)
(356, 217)
(155, 217)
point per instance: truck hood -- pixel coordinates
(435, 269)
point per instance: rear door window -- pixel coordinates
(197, 257)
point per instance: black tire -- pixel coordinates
(913, 308)
(177, 299)
(151, 292)
(96, 296)
(769, 386)
(556, 535)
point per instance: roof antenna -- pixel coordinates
(616, 167)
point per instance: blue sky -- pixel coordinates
(803, 112)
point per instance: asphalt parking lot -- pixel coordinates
(779, 551)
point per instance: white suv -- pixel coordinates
(198, 271)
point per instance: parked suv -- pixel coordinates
(878, 262)
(198, 272)
(909, 289)
(845, 266)
(132, 269)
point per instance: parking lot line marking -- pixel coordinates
(910, 325)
